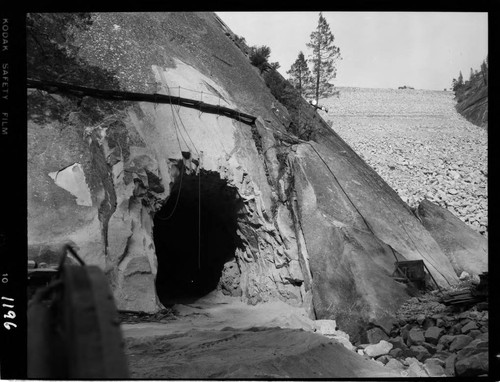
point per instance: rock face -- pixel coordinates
(466, 249)
(351, 237)
(173, 203)
(472, 100)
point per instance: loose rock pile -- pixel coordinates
(420, 145)
(429, 340)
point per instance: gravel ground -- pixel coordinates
(419, 144)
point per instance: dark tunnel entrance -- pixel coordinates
(192, 244)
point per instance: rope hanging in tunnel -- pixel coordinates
(199, 217)
(181, 171)
(177, 132)
(199, 185)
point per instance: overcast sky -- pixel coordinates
(425, 50)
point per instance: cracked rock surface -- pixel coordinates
(420, 145)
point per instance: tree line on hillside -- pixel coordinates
(310, 82)
(458, 84)
(302, 81)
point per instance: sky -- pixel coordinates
(424, 50)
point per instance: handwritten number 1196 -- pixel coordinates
(10, 314)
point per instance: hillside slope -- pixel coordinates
(472, 101)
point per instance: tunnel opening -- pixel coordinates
(195, 235)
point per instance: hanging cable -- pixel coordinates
(391, 210)
(372, 185)
(199, 177)
(199, 219)
(181, 169)
(185, 130)
(177, 198)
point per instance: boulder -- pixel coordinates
(449, 368)
(375, 335)
(472, 366)
(441, 355)
(432, 334)
(420, 319)
(386, 323)
(465, 321)
(395, 365)
(483, 336)
(416, 369)
(405, 330)
(409, 360)
(434, 367)
(421, 353)
(460, 341)
(408, 352)
(468, 327)
(384, 359)
(437, 361)
(446, 340)
(430, 347)
(428, 322)
(474, 347)
(396, 352)
(415, 337)
(397, 342)
(466, 249)
(475, 333)
(456, 329)
(375, 350)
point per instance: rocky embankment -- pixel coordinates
(430, 340)
(472, 100)
(420, 145)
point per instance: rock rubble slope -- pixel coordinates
(420, 145)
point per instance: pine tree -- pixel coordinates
(300, 75)
(471, 76)
(458, 83)
(484, 71)
(259, 56)
(323, 57)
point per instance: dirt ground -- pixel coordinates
(221, 337)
